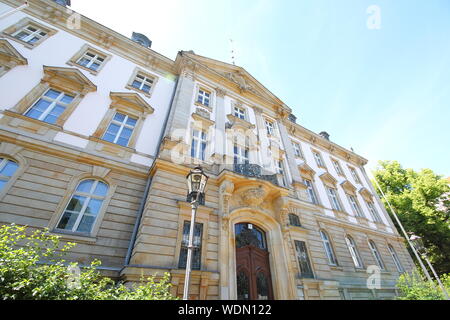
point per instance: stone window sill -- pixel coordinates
(74, 236)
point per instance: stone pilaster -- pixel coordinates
(219, 134)
(290, 155)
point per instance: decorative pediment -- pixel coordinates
(68, 78)
(306, 171)
(131, 100)
(236, 75)
(201, 120)
(366, 194)
(348, 187)
(9, 56)
(328, 179)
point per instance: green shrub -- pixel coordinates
(32, 268)
(414, 287)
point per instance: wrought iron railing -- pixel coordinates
(254, 171)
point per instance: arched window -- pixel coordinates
(376, 254)
(328, 248)
(84, 206)
(354, 252)
(294, 220)
(396, 259)
(7, 169)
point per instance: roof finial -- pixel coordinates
(232, 52)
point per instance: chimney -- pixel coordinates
(325, 135)
(141, 39)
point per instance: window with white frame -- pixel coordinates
(376, 254)
(239, 112)
(319, 159)
(270, 128)
(50, 106)
(142, 82)
(337, 167)
(30, 34)
(197, 246)
(354, 252)
(198, 146)
(328, 248)
(84, 207)
(355, 175)
(311, 192)
(241, 154)
(120, 129)
(297, 150)
(280, 169)
(396, 259)
(355, 205)
(374, 213)
(334, 199)
(204, 97)
(7, 169)
(91, 60)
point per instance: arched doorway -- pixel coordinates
(253, 277)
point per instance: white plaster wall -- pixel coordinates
(56, 51)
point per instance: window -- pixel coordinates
(376, 254)
(84, 207)
(332, 195)
(311, 192)
(239, 112)
(204, 97)
(7, 170)
(294, 220)
(197, 244)
(328, 248)
(142, 82)
(198, 146)
(376, 217)
(241, 154)
(269, 127)
(319, 159)
(89, 59)
(120, 129)
(303, 260)
(354, 252)
(280, 169)
(355, 175)
(337, 167)
(50, 106)
(297, 150)
(355, 205)
(28, 32)
(396, 259)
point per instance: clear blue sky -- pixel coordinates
(383, 92)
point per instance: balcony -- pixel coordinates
(255, 171)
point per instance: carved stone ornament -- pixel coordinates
(253, 197)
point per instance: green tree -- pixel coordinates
(32, 268)
(421, 201)
(414, 287)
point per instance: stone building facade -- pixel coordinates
(97, 135)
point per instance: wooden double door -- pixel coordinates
(252, 264)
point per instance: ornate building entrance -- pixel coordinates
(252, 263)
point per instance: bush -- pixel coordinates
(414, 287)
(32, 268)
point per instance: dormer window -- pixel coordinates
(204, 97)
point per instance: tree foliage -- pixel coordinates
(422, 203)
(414, 287)
(32, 268)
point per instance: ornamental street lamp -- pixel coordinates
(420, 247)
(196, 181)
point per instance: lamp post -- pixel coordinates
(196, 181)
(420, 247)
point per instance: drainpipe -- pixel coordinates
(149, 183)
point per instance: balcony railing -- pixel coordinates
(255, 171)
